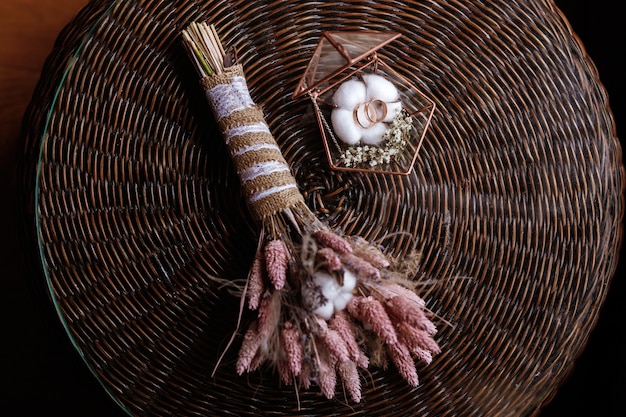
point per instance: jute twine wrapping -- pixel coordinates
(267, 182)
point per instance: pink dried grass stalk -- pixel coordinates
(258, 360)
(255, 281)
(327, 375)
(419, 342)
(371, 313)
(333, 240)
(249, 347)
(401, 357)
(364, 249)
(349, 375)
(341, 324)
(360, 266)
(306, 375)
(404, 310)
(290, 340)
(284, 372)
(269, 315)
(392, 290)
(333, 343)
(328, 259)
(276, 260)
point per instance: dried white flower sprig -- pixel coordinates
(326, 305)
(394, 142)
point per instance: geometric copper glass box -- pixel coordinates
(371, 118)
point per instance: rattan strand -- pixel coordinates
(515, 200)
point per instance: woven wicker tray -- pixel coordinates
(515, 199)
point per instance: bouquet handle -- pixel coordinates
(266, 179)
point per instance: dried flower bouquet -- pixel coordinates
(326, 305)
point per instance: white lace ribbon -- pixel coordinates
(270, 191)
(242, 130)
(226, 99)
(261, 169)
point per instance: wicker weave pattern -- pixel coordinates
(515, 200)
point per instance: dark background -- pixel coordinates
(41, 371)
(597, 384)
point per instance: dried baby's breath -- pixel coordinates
(394, 143)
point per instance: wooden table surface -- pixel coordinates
(39, 369)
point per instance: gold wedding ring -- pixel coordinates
(374, 112)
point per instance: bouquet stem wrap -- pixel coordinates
(266, 179)
(326, 305)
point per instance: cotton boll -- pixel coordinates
(330, 289)
(325, 311)
(349, 281)
(379, 88)
(341, 301)
(374, 135)
(344, 126)
(328, 285)
(393, 109)
(349, 94)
